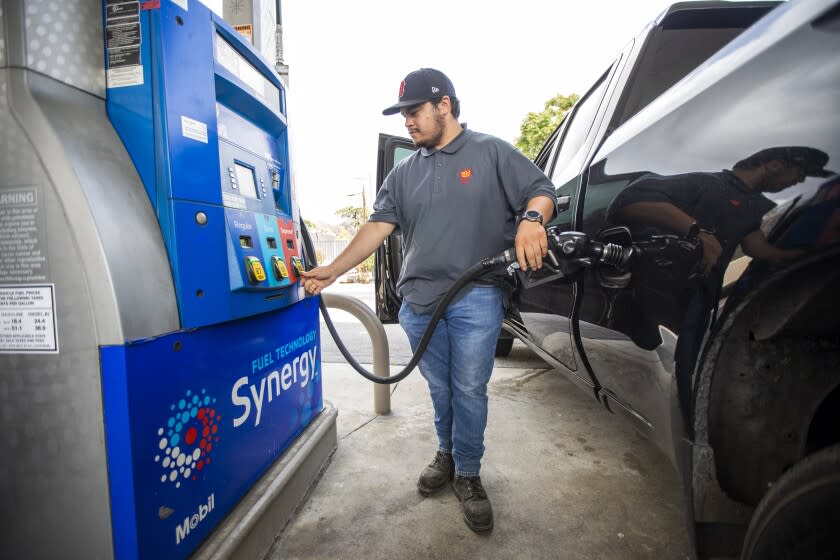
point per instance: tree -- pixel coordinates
(537, 127)
(355, 215)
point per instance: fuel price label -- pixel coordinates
(28, 319)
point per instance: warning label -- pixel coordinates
(22, 237)
(123, 38)
(28, 320)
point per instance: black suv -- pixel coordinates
(698, 294)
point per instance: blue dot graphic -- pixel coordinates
(171, 421)
(195, 399)
(181, 404)
(175, 439)
(188, 392)
(206, 400)
(178, 427)
(185, 417)
(193, 412)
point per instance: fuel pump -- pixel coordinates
(158, 356)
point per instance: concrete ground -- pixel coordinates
(566, 478)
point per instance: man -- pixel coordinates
(722, 210)
(456, 201)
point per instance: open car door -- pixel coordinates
(389, 257)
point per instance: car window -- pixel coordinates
(548, 150)
(400, 153)
(573, 148)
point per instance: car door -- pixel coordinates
(547, 308)
(392, 150)
(630, 333)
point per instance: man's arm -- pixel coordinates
(364, 243)
(755, 244)
(668, 216)
(661, 214)
(531, 240)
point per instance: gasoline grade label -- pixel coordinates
(28, 319)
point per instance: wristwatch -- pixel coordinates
(533, 216)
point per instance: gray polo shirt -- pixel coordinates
(455, 206)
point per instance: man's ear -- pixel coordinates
(445, 105)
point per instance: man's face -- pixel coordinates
(425, 124)
(781, 175)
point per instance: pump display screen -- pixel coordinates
(247, 183)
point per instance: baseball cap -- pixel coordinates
(811, 160)
(420, 86)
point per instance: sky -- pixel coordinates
(505, 58)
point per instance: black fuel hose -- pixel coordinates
(502, 258)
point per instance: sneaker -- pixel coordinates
(478, 514)
(434, 477)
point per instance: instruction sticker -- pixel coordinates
(123, 39)
(28, 319)
(194, 129)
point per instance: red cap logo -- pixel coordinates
(402, 88)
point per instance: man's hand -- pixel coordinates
(531, 245)
(317, 279)
(711, 250)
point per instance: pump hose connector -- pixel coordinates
(615, 255)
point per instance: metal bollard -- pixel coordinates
(381, 367)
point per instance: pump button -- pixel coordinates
(256, 272)
(296, 262)
(279, 268)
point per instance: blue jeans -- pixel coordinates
(457, 365)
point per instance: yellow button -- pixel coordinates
(280, 270)
(256, 272)
(297, 264)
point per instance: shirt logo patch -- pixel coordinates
(465, 175)
(402, 88)
(734, 202)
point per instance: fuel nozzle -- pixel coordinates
(578, 247)
(568, 252)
